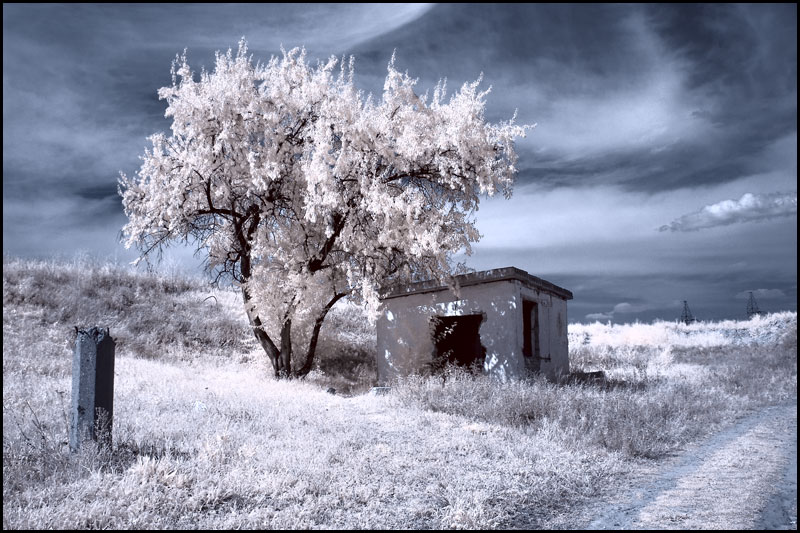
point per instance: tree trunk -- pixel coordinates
(280, 359)
(260, 334)
(312, 345)
(284, 367)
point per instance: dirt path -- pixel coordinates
(742, 478)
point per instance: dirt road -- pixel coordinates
(742, 478)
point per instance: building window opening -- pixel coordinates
(457, 341)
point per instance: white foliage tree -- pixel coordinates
(305, 191)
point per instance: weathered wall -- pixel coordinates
(553, 331)
(405, 343)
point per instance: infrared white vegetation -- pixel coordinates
(205, 439)
(305, 191)
(758, 330)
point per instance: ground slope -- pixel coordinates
(742, 478)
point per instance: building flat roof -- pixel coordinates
(477, 278)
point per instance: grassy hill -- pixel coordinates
(205, 438)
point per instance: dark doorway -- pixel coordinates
(457, 341)
(530, 326)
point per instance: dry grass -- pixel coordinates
(152, 316)
(651, 403)
(166, 317)
(231, 449)
(204, 437)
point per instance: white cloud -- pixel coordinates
(765, 294)
(626, 307)
(749, 208)
(328, 27)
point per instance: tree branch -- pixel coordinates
(316, 263)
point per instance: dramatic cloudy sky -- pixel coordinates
(663, 166)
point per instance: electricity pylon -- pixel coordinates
(687, 317)
(752, 306)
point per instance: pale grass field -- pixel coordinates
(204, 438)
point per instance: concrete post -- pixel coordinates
(92, 409)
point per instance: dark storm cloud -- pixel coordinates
(629, 298)
(459, 41)
(98, 192)
(645, 114)
(739, 51)
(80, 91)
(97, 69)
(652, 97)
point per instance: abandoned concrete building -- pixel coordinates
(505, 322)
